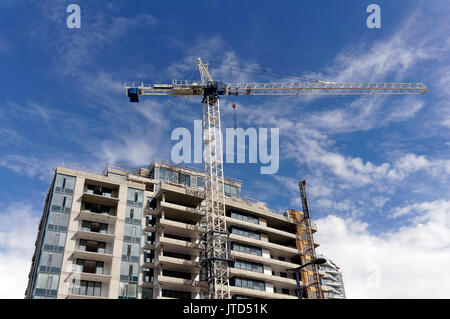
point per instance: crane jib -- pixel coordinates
(215, 88)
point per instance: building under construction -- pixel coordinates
(139, 234)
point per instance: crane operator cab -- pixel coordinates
(133, 94)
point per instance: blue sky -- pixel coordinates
(377, 167)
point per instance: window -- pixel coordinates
(64, 184)
(135, 197)
(150, 237)
(176, 294)
(132, 233)
(176, 255)
(58, 221)
(151, 203)
(47, 284)
(90, 266)
(94, 227)
(176, 274)
(230, 191)
(178, 237)
(246, 249)
(167, 175)
(244, 217)
(149, 256)
(246, 265)
(87, 288)
(99, 190)
(245, 233)
(147, 275)
(249, 283)
(133, 215)
(54, 240)
(184, 179)
(97, 208)
(51, 262)
(285, 291)
(147, 293)
(150, 220)
(61, 203)
(200, 182)
(127, 290)
(129, 271)
(92, 246)
(283, 274)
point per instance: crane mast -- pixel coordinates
(217, 256)
(217, 247)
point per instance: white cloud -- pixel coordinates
(420, 208)
(411, 163)
(18, 230)
(411, 262)
(132, 150)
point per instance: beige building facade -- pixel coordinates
(137, 234)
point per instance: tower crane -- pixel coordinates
(217, 251)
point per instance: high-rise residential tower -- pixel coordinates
(331, 280)
(137, 233)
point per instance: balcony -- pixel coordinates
(92, 277)
(176, 281)
(92, 255)
(74, 296)
(85, 289)
(183, 228)
(282, 250)
(97, 217)
(273, 233)
(181, 194)
(277, 265)
(258, 293)
(97, 236)
(181, 264)
(93, 250)
(182, 212)
(245, 206)
(100, 199)
(180, 245)
(279, 281)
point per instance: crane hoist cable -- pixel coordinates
(234, 109)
